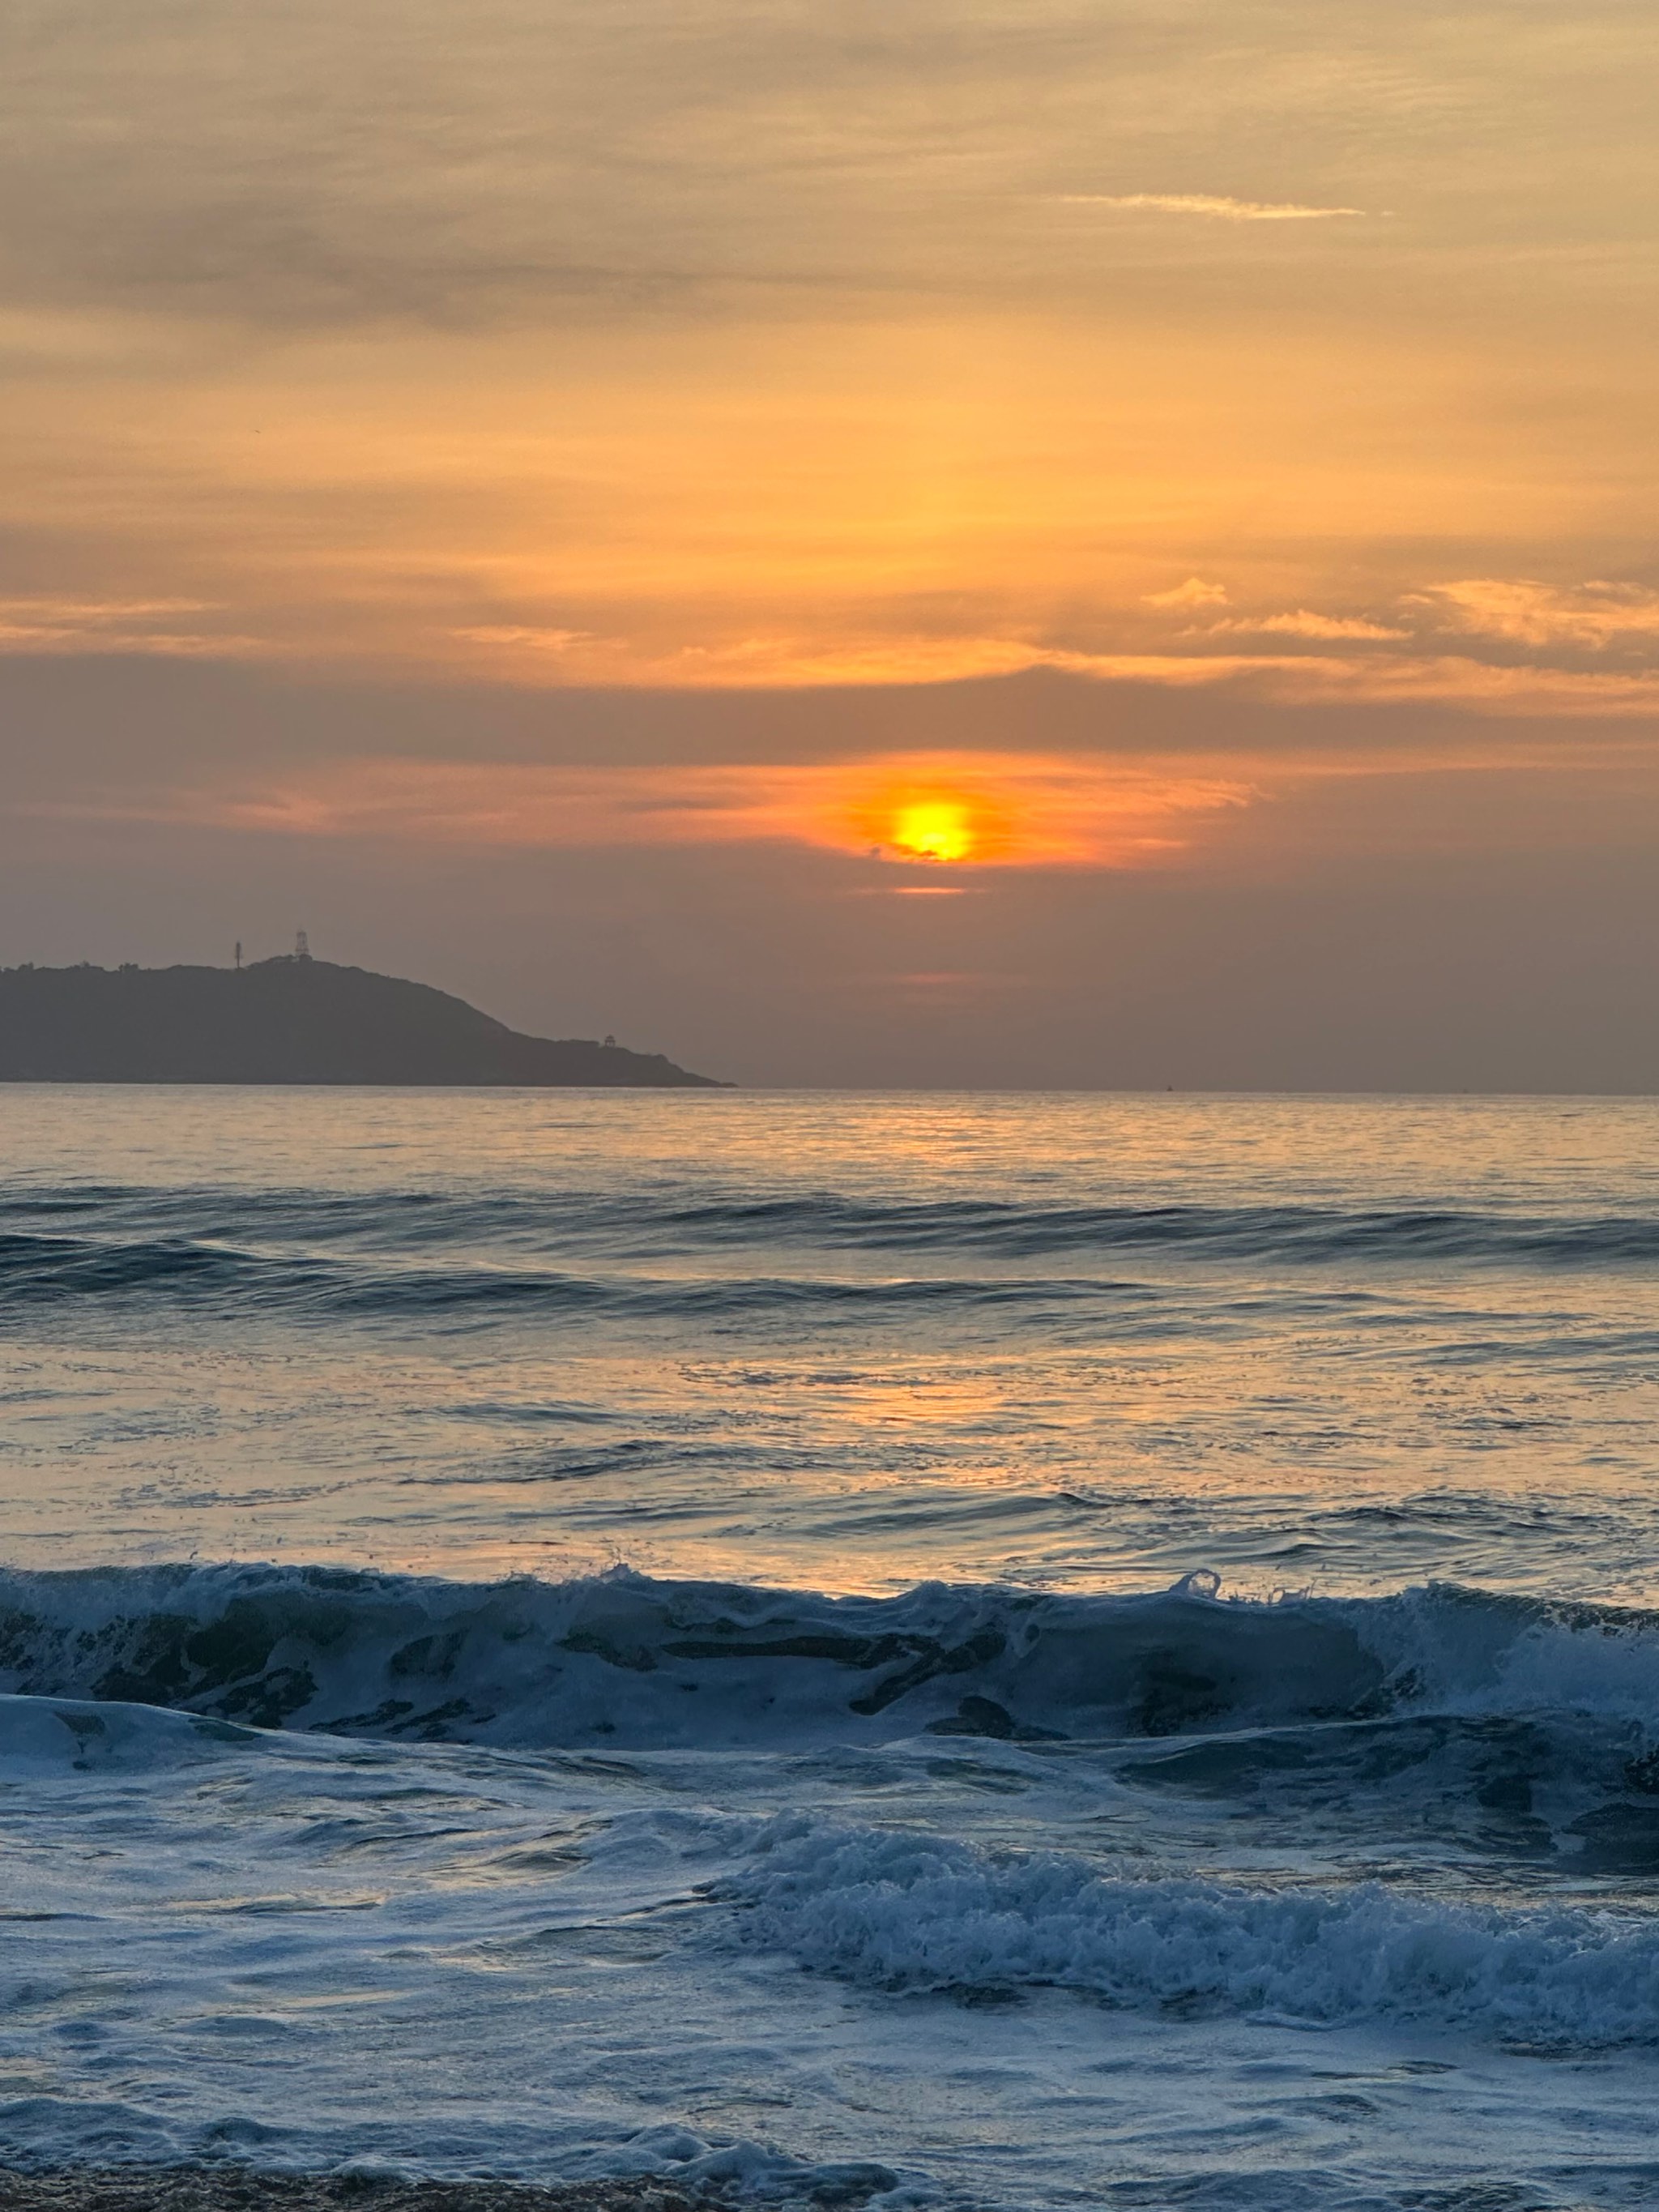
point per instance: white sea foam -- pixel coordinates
(909, 1911)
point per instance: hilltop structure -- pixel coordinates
(296, 1019)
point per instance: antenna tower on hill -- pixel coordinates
(302, 945)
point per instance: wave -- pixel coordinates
(905, 1911)
(664, 1221)
(48, 1736)
(371, 1276)
(38, 1271)
(625, 1660)
(1306, 1233)
(367, 2149)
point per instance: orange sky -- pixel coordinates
(672, 343)
(1271, 384)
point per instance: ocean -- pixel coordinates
(1001, 1651)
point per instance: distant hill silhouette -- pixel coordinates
(289, 1020)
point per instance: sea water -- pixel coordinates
(1001, 1651)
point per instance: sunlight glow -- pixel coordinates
(933, 829)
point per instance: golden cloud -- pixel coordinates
(790, 663)
(41, 622)
(1330, 628)
(1194, 592)
(1524, 611)
(1218, 205)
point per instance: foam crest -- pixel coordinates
(905, 1911)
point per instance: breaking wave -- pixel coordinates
(910, 1912)
(624, 1659)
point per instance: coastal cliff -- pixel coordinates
(289, 1020)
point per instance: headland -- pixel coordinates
(293, 1020)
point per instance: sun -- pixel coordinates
(933, 829)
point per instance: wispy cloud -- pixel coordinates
(41, 623)
(1491, 646)
(1194, 592)
(1331, 628)
(1416, 659)
(1218, 205)
(1521, 610)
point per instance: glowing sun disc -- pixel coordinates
(933, 829)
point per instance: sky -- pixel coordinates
(1013, 542)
